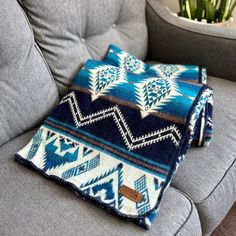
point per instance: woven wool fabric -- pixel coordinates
(116, 130)
(188, 73)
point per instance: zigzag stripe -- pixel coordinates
(170, 132)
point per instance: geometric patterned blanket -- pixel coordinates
(187, 73)
(121, 132)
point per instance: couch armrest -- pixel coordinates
(174, 40)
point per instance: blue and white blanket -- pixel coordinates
(122, 130)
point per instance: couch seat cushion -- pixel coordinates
(208, 175)
(30, 204)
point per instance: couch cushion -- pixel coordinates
(27, 90)
(30, 204)
(71, 33)
(208, 175)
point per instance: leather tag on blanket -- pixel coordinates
(130, 193)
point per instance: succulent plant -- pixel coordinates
(210, 10)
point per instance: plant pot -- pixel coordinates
(203, 22)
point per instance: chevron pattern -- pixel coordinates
(170, 132)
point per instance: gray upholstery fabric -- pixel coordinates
(32, 205)
(208, 175)
(172, 40)
(27, 90)
(69, 34)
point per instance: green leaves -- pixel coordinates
(200, 10)
(211, 10)
(192, 7)
(231, 9)
(220, 12)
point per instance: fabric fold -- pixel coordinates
(188, 73)
(117, 137)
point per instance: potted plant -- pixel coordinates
(207, 11)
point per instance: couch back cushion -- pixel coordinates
(70, 32)
(27, 90)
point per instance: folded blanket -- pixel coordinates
(130, 63)
(117, 138)
(187, 73)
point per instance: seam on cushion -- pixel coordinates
(32, 129)
(45, 62)
(36, 46)
(119, 15)
(213, 190)
(88, 47)
(190, 212)
(26, 18)
(187, 30)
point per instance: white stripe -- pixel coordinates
(202, 126)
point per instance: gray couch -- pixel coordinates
(43, 43)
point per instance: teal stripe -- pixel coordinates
(104, 151)
(112, 145)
